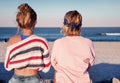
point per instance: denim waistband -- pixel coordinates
(26, 79)
(20, 76)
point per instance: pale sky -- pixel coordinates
(50, 13)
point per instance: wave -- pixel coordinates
(53, 37)
(110, 34)
(49, 37)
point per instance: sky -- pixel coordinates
(50, 13)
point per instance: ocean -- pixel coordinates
(105, 34)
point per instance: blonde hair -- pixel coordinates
(73, 25)
(26, 17)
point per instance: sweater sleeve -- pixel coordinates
(53, 55)
(92, 56)
(46, 58)
(7, 60)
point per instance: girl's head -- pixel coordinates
(26, 17)
(72, 23)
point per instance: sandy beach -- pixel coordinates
(107, 61)
(106, 52)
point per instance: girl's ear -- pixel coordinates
(35, 23)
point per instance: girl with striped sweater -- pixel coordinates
(27, 54)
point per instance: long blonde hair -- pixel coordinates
(72, 23)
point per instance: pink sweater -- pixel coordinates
(71, 57)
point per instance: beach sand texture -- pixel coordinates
(106, 52)
(107, 61)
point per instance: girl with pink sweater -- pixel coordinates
(72, 55)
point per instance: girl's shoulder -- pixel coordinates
(14, 39)
(85, 39)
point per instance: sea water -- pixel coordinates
(53, 33)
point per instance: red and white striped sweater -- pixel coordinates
(32, 52)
